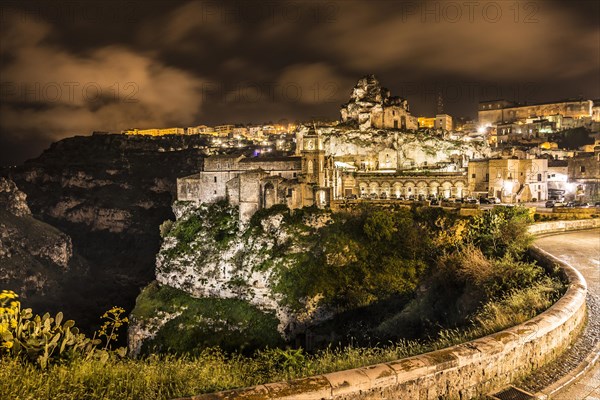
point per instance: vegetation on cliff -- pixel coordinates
(170, 376)
(364, 277)
(230, 324)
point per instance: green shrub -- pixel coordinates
(501, 230)
(44, 340)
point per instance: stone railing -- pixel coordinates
(562, 226)
(464, 371)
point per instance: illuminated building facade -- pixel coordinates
(155, 131)
(511, 180)
(503, 111)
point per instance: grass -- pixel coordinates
(169, 376)
(205, 322)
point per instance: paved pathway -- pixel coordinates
(580, 249)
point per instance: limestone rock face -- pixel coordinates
(140, 330)
(15, 239)
(412, 149)
(368, 98)
(35, 257)
(207, 254)
(369, 90)
(108, 194)
(12, 199)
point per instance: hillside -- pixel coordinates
(109, 194)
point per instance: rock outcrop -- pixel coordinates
(12, 199)
(35, 258)
(207, 254)
(109, 194)
(412, 149)
(370, 104)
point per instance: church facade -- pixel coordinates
(254, 183)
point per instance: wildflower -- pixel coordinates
(8, 344)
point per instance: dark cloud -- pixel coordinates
(108, 88)
(161, 63)
(488, 39)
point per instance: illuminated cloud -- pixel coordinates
(49, 91)
(440, 37)
(314, 83)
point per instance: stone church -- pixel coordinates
(254, 183)
(371, 106)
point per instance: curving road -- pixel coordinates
(581, 249)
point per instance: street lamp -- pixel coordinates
(508, 188)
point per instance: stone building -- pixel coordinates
(250, 182)
(584, 176)
(253, 183)
(440, 121)
(511, 180)
(371, 106)
(558, 178)
(404, 185)
(443, 121)
(503, 111)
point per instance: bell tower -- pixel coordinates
(314, 171)
(313, 158)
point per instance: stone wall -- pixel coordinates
(563, 226)
(464, 371)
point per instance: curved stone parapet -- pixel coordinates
(542, 228)
(464, 371)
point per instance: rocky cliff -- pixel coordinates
(413, 149)
(36, 259)
(109, 194)
(207, 256)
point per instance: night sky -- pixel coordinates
(69, 68)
